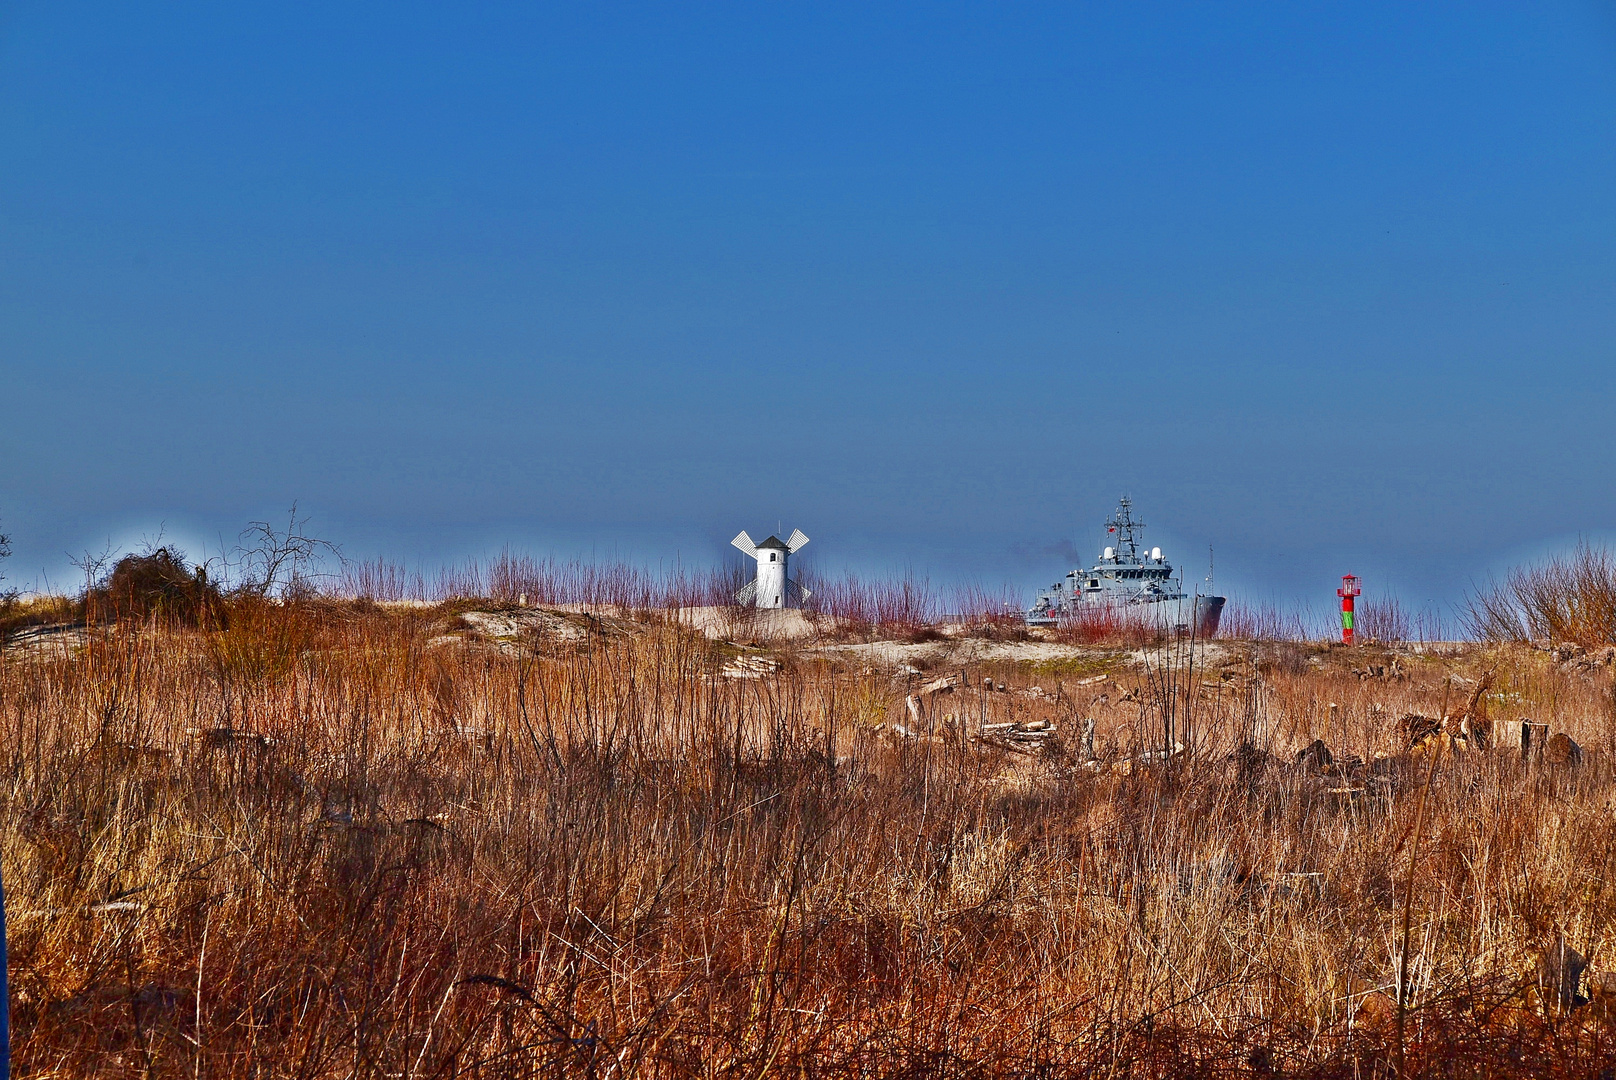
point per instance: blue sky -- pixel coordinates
(1327, 287)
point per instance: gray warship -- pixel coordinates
(1128, 576)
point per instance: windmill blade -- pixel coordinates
(744, 542)
(803, 592)
(746, 594)
(796, 541)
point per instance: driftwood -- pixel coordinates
(750, 667)
(1468, 729)
(1017, 736)
(1474, 726)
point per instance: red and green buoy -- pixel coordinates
(1348, 590)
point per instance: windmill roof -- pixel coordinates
(773, 542)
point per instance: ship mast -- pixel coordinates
(1122, 523)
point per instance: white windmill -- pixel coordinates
(772, 588)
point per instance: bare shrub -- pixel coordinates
(1383, 620)
(1564, 598)
(511, 577)
(284, 562)
(1110, 624)
(157, 584)
(990, 613)
(464, 582)
(1249, 620)
(896, 606)
(381, 580)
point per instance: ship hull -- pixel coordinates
(1199, 615)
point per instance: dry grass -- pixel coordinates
(328, 841)
(38, 610)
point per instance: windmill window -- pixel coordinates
(772, 556)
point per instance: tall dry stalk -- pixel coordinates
(1399, 1043)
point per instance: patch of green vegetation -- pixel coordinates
(726, 651)
(1077, 667)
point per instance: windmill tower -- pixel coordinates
(772, 588)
